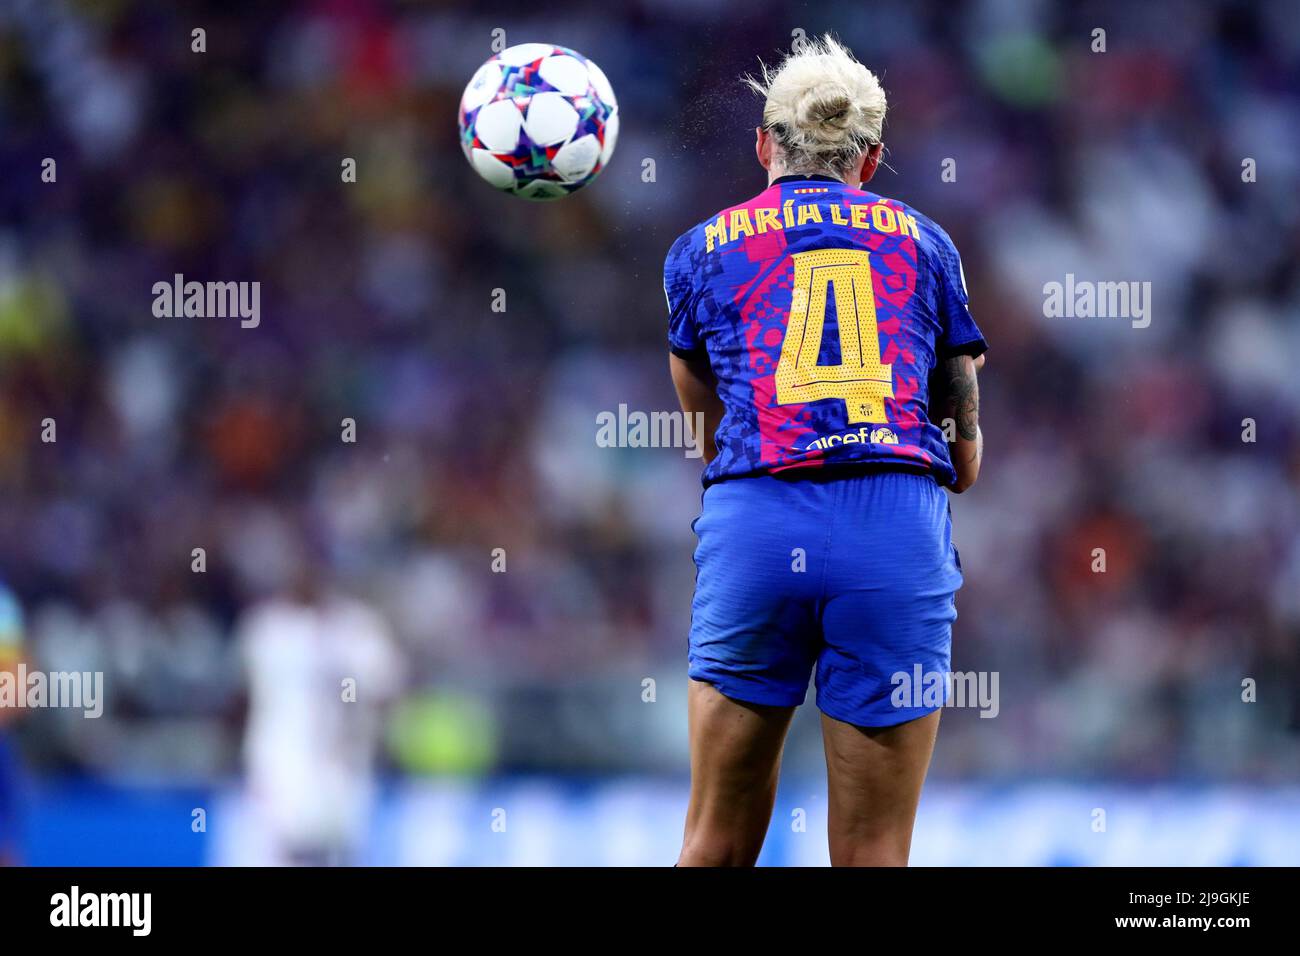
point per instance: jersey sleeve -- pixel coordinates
(961, 336)
(684, 339)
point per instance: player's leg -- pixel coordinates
(753, 643)
(875, 776)
(735, 758)
(882, 674)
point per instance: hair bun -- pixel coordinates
(826, 106)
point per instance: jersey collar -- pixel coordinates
(815, 177)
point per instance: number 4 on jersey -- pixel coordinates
(861, 380)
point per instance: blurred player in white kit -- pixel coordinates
(321, 667)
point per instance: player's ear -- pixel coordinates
(763, 147)
(870, 160)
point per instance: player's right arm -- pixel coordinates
(697, 391)
(961, 396)
(688, 361)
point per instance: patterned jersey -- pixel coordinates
(822, 310)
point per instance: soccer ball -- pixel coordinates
(539, 121)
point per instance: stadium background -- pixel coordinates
(524, 691)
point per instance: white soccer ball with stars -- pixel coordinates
(539, 121)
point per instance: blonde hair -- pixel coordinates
(824, 108)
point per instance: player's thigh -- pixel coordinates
(735, 745)
(735, 759)
(875, 776)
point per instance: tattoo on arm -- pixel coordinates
(963, 395)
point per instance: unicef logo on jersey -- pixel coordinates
(880, 435)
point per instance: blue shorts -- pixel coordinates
(854, 575)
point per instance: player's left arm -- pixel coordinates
(961, 404)
(962, 347)
(697, 391)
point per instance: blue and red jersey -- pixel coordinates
(822, 310)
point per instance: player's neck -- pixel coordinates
(774, 174)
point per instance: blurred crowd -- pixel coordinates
(529, 581)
